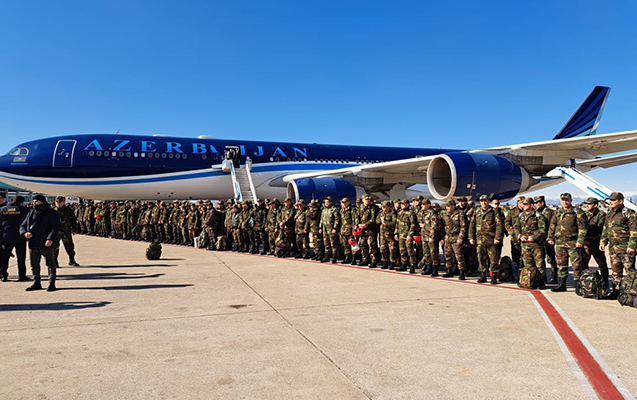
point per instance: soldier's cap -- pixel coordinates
(327, 198)
(385, 203)
(301, 201)
(396, 201)
(484, 197)
(366, 197)
(312, 204)
(521, 199)
(176, 201)
(591, 200)
(405, 201)
(566, 196)
(60, 198)
(537, 199)
(495, 202)
(287, 199)
(435, 205)
(462, 199)
(420, 197)
(615, 196)
(427, 201)
(259, 200)
(527, 200)
(450, 202)
(344, 200)
(359, 201)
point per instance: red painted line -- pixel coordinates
(596, 376)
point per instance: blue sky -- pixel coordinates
(429, 74)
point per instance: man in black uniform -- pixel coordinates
(11, 217)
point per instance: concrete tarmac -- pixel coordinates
(222, 325)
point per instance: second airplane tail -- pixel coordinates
(586, 118)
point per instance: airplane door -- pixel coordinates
(63, 155)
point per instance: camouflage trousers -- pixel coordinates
(302, 242)
(248, 236)
(369, 246)
(168, 233)
(592, 251)
(260, 238)
(317, 242)
(236, 238)
(347, 248)
(564, 252)
(453, 248)
(620, 260)
(272, 240)
(69, 246)
(470, 256)
(388, 248)
(533, 256)
(331, 242)
(148, 233)
(489, 257)
(549, 251)
(430, 253)
(406, 251)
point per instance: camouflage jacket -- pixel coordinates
(68, 221)
(511, 222)
(620, 228)
(301, 223)
(567, 226)
(348, 220)
(246, 218)
(314, 216)
(270, 220)
(429, 223)
(387, 223)
(455, 224)
(532, 225)
(406, 223)
(367, 215)
(285, 218)
(330, 219)
(486, 226)
(260, 215)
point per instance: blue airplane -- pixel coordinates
(119, 167)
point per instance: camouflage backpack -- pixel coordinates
(529, 278)
(153, 251)
(628, 297)
(591, 285)
(203, 240)
(506, 269)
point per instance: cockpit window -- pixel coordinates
(19, 151)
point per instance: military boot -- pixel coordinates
(412, 269)
(326, 258)
(73, 263)
(364, 263)
(306, 255)
(483, 277)
(335, 259)
(434, 270)
(426, 270)
(553, 279)
(494, 278)
(347, 260)
(541, 281)
(402, 268)
(614, 294)
(383, 265)
(36, 286)
(373, 265)
(462, 276)
(561, 287)
(51, 287)
(353, 260)
(449, 273)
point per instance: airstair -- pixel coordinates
(586, 184)
(242, 182)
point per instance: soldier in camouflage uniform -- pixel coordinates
(194, 224)
(146, 218)
(549, 250)
(406, 228)
(455, 224)
(510, 222)
(329, 228)
(89, 217)
(246, 219)
(68, 226)
(260, 235)
(368, 241)
(314, 216)
(271, 226)
(567, 231)
(470, 251)
(302, 231)
(429, 222)
(531, 231)
(348, 216)
(386, 220)
(235, 227)
(228, 224)
(285, 234)
(486, 230)
(620, 235)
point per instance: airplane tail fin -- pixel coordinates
(585, 120)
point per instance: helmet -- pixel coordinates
(357, 231)
(418, 238)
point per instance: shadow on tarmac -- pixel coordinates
(123, 266)
(132, 287)
(67, 305)
(107, 275)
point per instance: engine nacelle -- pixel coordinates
(317, 188)
(473, 174)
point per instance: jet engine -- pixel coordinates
(474, 174)
(317, 188)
